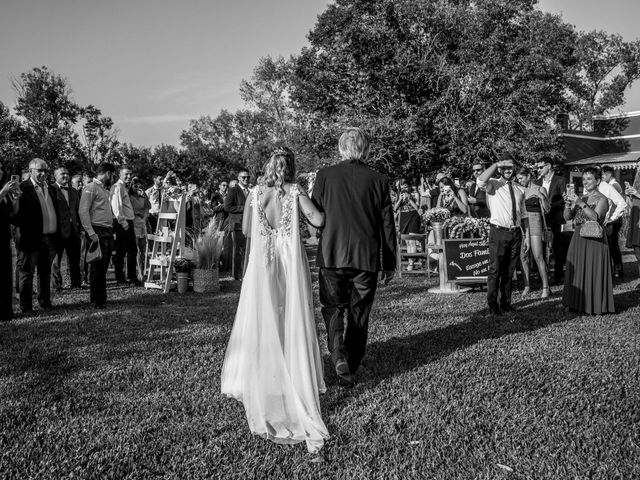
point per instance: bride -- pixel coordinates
(273, 363)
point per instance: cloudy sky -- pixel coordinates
(152, 65)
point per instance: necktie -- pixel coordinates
(514, 215)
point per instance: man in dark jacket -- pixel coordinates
(234, 206)
(556, 186)
(69, 229)
(37, 234)
(357, 241)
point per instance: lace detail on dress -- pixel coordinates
(267, 232)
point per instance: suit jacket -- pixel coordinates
(234, 206)
(558, 187)
(217, 204)
(481, 207)
(29, 217)
(68, 217)
(359, 229)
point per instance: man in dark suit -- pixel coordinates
(234, 206)
(556, 186)
(221, 217)
(37, 234)
(358, 233)
(69, 230)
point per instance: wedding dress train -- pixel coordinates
(273, 363)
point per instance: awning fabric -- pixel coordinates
(618, 161)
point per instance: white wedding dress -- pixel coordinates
(273, 363)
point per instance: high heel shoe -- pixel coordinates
(546, 293)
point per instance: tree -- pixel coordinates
(48, 114)
(99, 138)
(436, 83)
(606, 67)
(14, 149)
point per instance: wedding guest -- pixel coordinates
(69, 230)
(477, 197)
(588, 286)
(77, 182)
(141, 206)
(234, 206)
(221, 218)
(194, 209)
(126, 245)
(633, 234)
(37, 235)
(428, 194)
(9, 192)
(452, 197)
(87, 177)
(611, 189)
(97, 221)
(555, 186)
(508, 221)
(154, 194)
(536, 204)
(408, 211)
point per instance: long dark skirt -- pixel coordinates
(410, 222)
(588, 284)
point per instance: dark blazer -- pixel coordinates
(217, 204)
(68, 217)
(234, 206)
(558, 187)
(29, 217)
(359, 229)
(481, 207)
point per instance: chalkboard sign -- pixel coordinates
(467, 259)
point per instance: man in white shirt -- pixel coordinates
(125, 236)
(613, 223)
(154, 193)
(508, 221)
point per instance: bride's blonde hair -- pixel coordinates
(280, 169)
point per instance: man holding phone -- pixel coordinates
(556, 187)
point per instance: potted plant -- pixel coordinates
(182, 267)
(208, 248)
(435, 217)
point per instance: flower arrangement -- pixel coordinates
(436, 215)
(208, 247)
(464, 227)
(182, 265)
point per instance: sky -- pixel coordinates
(153, 65)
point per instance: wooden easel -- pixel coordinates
(167, 243)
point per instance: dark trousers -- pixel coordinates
(98, 270)
(504, 251)
(560, 245)
(153, 223)
(126, 245)
(84, 266)
(347, 292)
(613, 235)
(227, 253)
(6, 281)
(29, 261)
(70, 246)
(239, 245)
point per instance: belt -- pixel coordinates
(505, 229)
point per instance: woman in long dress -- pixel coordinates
(588, 284)
(273, 363)
(633, 235)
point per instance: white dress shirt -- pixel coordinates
(121, 203)
(617, 204)
(499, 202)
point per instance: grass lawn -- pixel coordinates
(132, 391)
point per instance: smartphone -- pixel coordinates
(15, 178)
(571, 188)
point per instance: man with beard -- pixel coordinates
(508, 221)
(97, 221)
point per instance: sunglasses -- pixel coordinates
(244, 176)
(477, 170)
(40, 170)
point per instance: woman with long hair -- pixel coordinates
(273, 363)
(408, 212)
(536, 202)
(588, 284)
(452, 197)
(633, 234)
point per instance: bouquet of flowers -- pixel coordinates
(464, 227)
(436, 215)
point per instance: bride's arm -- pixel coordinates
(246, 217)
(314, 216)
